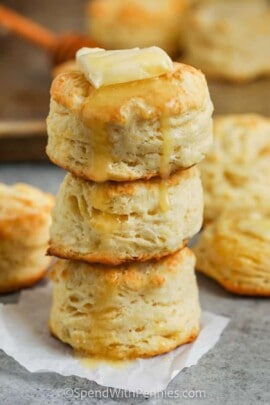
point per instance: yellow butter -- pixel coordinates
(104, 68)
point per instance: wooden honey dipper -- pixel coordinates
(62, 48)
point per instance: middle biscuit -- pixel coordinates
(117, 222)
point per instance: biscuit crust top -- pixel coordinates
(171, 94)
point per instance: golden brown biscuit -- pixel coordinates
(24, 233)
(135, 310)
(236, 172)
(118, 24)
(234, 251)
(132, 130)
(117, 222)
(229, 39)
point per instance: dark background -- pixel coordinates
(25, 74)
(25, 70)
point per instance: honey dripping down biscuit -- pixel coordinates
(154, 125)
(104, 68)
(114, 222)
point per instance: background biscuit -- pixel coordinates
(234, 250)
(229, 39)
(24, 233)
(118, 24)
(236, 172)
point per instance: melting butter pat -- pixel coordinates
(104, 68)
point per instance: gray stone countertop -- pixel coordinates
(235, 371)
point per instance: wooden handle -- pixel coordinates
(27, 29)
(22, 128)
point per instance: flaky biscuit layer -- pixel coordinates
(117, 222)
(25, 218)
(236, 171)
(132, 130)
(129, 311)
(234, 250)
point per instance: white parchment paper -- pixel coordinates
(24, 335)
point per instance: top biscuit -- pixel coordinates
(106, 134)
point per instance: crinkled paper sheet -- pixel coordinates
(24, 335)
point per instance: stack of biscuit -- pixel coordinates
(124, 286)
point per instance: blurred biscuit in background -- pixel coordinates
(25, 218)
(118, 24)
(234, 251)
(69, 66)
(133, 310)
(236, 172)
(116, 222)
(107, 133)
(229, 39)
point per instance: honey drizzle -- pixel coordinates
(101, 154)
(92, 363)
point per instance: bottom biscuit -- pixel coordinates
(129, 311)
